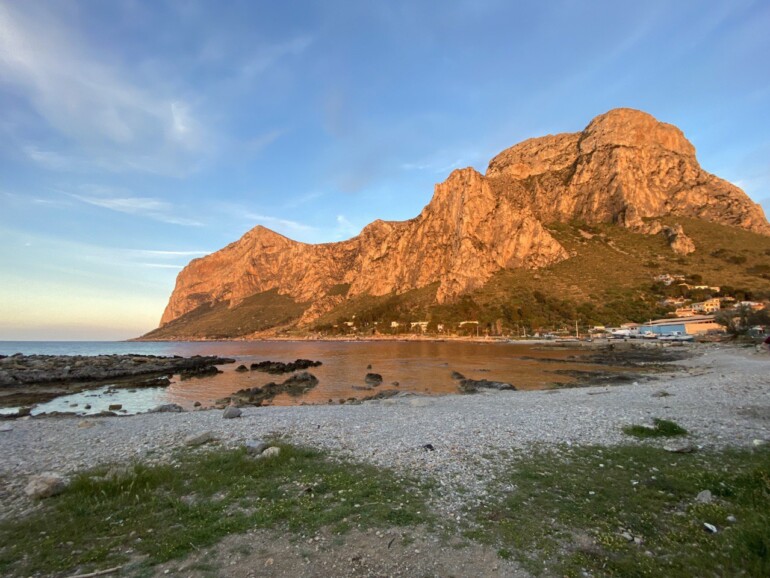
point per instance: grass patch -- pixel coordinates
(662, 428)
(153, 514)
(573, 511)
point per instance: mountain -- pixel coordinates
(626, 170)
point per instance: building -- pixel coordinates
(693, 325)
(708, 306)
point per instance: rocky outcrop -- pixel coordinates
(625, 168)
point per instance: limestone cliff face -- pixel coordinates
(625, 167)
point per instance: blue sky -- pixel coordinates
(135, 136)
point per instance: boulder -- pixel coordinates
(255, 447)
(45, 485)
(167, 408)
(271, 452)
(199, 439)
(231, 412)
(373, 379)
(474, 385)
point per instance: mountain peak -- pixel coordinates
(625, 167)
(633, 128)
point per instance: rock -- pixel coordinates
(732, 519)
(710, 527)
(255, 447)
(678, 241)
(704, 497)
(625, 167)
(661, 394)
(277, 367)
(474, 385)
(271, 452)
(115, 407)
(457, 375)
(5, 428)
(758, 443)
(199, 439)
(680, 449)
(87, 406)
(373, 379)
(45, 485)
(167, 408)
(231, 412)
(241, 368)
(86, 424)
(627, 537)
(429, 447)
(197, 404)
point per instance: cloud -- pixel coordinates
(345, 228)
(161, 266)
(269, 55)
(163, 253)
(277, 222)
(141, 206)
(93, 104)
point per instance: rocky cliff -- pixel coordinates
(625, 168)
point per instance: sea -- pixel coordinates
(423, 367)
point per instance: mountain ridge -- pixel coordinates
(625, 168)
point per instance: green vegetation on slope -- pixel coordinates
(609, 280)
(219, 321)
(165, 511)
(633, 511)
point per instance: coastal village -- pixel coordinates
(716, 315)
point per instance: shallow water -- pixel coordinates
(417, 366)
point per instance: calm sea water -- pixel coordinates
(418, 366)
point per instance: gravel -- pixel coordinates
(722, 397)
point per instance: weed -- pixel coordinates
(662, 428)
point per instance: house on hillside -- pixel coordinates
(708, 306)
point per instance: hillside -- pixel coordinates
(559, 227)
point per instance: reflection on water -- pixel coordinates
(416, 366)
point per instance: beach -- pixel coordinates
(722, 397)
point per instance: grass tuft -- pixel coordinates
(662, 428)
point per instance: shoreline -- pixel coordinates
(721, 397)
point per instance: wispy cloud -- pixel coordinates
(95, 105)
(149, 207)
(170, 254)
(161, 266)
(277, 222)
(345, 228)
(265, 57)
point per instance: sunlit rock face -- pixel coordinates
(625, 168)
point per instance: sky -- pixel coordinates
(138, 135)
